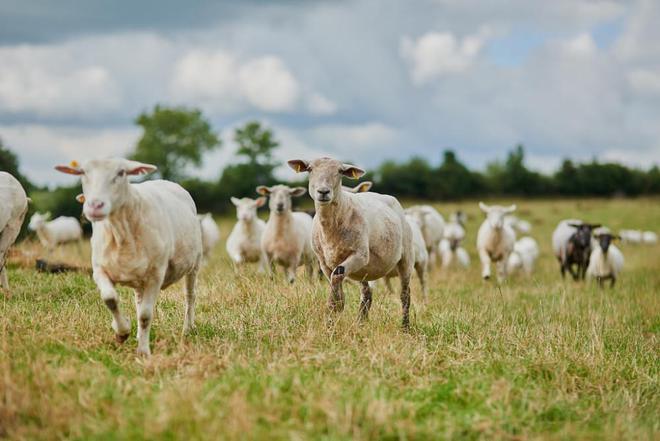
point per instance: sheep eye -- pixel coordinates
(121, 173)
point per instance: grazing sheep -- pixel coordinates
(606, 260)
(571, 244)
(450, 245)
(495, 239)
(13, 207)
(244, 242)
(287, 238)
(631, 236)
(210, 233)
(362, 236)
(145, 236)
(649, 237)
(58, 231)
(432, 225)
(524, 255)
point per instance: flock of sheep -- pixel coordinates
(148, 236)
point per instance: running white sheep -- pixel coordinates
(13, 208)
(524, 255)
(362, 236)
(145, 236)
(244, 241)
(55, 232)
(287, 238)
(495, 239)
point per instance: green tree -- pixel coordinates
(453, 180)
(9, 164)
(174, 139)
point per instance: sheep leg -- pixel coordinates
(420, 269)
(612, 281)
(120, 325)
(501, 269)
(291, 272)
(263, 263)
(189, 318)
(4, 281)
(144, 305)
(365, 303)
(485, 264)
(404, 275)
(336, 299)
(388, 284)
(7, 238)
(574, 274)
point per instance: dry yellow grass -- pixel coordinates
(529, 359)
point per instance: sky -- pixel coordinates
(365, 80)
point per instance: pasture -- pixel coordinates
(531, 358)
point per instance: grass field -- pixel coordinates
(533, 358)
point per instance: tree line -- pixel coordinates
(177, 138)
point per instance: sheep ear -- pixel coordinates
(134, 168)
(297, 191)
(511, 208)
(351, 171)
(235, 201)
(72, 169)
(263, 190)
(485, 208)
(81, 198)
(298, 165)
(594, 226)
(364, 187)
(574, 225)
(260, 201)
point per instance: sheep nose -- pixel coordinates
(280, 207)
(323, 192)
(96, 204)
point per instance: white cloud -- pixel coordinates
(50, 82)
(645, 81)
(438, 53)
(351, 140)
(318, 104)
(40, 148)
(582, 44)
(222, 81)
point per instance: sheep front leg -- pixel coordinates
(365, 303)
(501, 269)
(485, 264)
(144, 305)
(120, 325)
(353, 262)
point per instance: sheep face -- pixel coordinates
(105, 183)
(325, 177)
(605, 240)
(582, 237)
(38, 221)
(495, 214)
(246, 208)
(280, 197)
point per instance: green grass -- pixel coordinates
(533, 358)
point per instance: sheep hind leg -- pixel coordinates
(365, 303)
(7, 238)
(191, 295)
(420, 269)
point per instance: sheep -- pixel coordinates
(145, 236)
(58, 231)
(524, 255)
(571, 244)
(495, 239)
(362, 236)
(287, 237)
(649, 237)
(518, 225)
(631, 236)
(421, 258)
(13, 208)
(210, 233)
(450, 245)
(432, 224)
(606, 260)
(244, 241)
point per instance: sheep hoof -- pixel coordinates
(121, 338)
(486, 277)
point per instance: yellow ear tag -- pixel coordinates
(298, 168)
(355, 174)
(74, 164)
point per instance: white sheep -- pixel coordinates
(450, 245)
(13, 208)
(210, 233)
(495, 239)
(362, 236)
(432, 225)
(649, 237)
(606, 260)
(631, 236)
(244, 241)
(145, 236)
(524, 255)
(519, 225)
(287, 238)
(52, 233)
